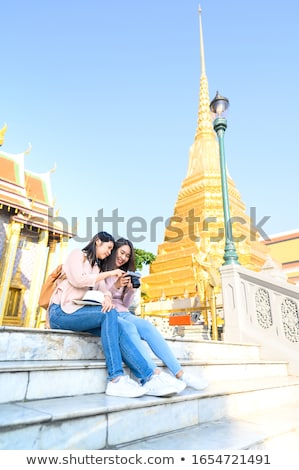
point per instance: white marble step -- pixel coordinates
(213, 350)
(26, 344)
(99, 422)
(273, 429)
(32, 380)
(21, 344)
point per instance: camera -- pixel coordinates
(135, 279)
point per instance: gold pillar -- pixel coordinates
(7, 262)
(213, 313)
(64, 241)
(50, 266)
(37, 280)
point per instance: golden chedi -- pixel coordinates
(194, 240)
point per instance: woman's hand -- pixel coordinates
(117, 272)
(123, 281)
(105, 274)
(107, 305)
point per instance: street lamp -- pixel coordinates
(218, 106)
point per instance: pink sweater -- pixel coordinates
(121, 305)
(80, 276)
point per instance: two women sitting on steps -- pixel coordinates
(88, 269)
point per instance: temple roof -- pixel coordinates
(38, 187)
(29, 193)
(12, 180)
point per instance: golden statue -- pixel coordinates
(207, 281)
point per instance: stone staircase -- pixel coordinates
(52, 396)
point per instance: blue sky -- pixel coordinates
(108, 91)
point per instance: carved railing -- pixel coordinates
(261, 309)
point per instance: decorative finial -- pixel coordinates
(199, 9)
(2, 132)
(54, 168)
(28, 149)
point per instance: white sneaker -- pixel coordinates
(124, 387)
(173, 381)
(158, 388)
(197, 383)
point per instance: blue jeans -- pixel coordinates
(140, 329)
(116, 343)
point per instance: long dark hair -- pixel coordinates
(90, 249)
(130, 265)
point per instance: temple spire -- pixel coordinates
(204, 121)
(192, 250)
(202, 52)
